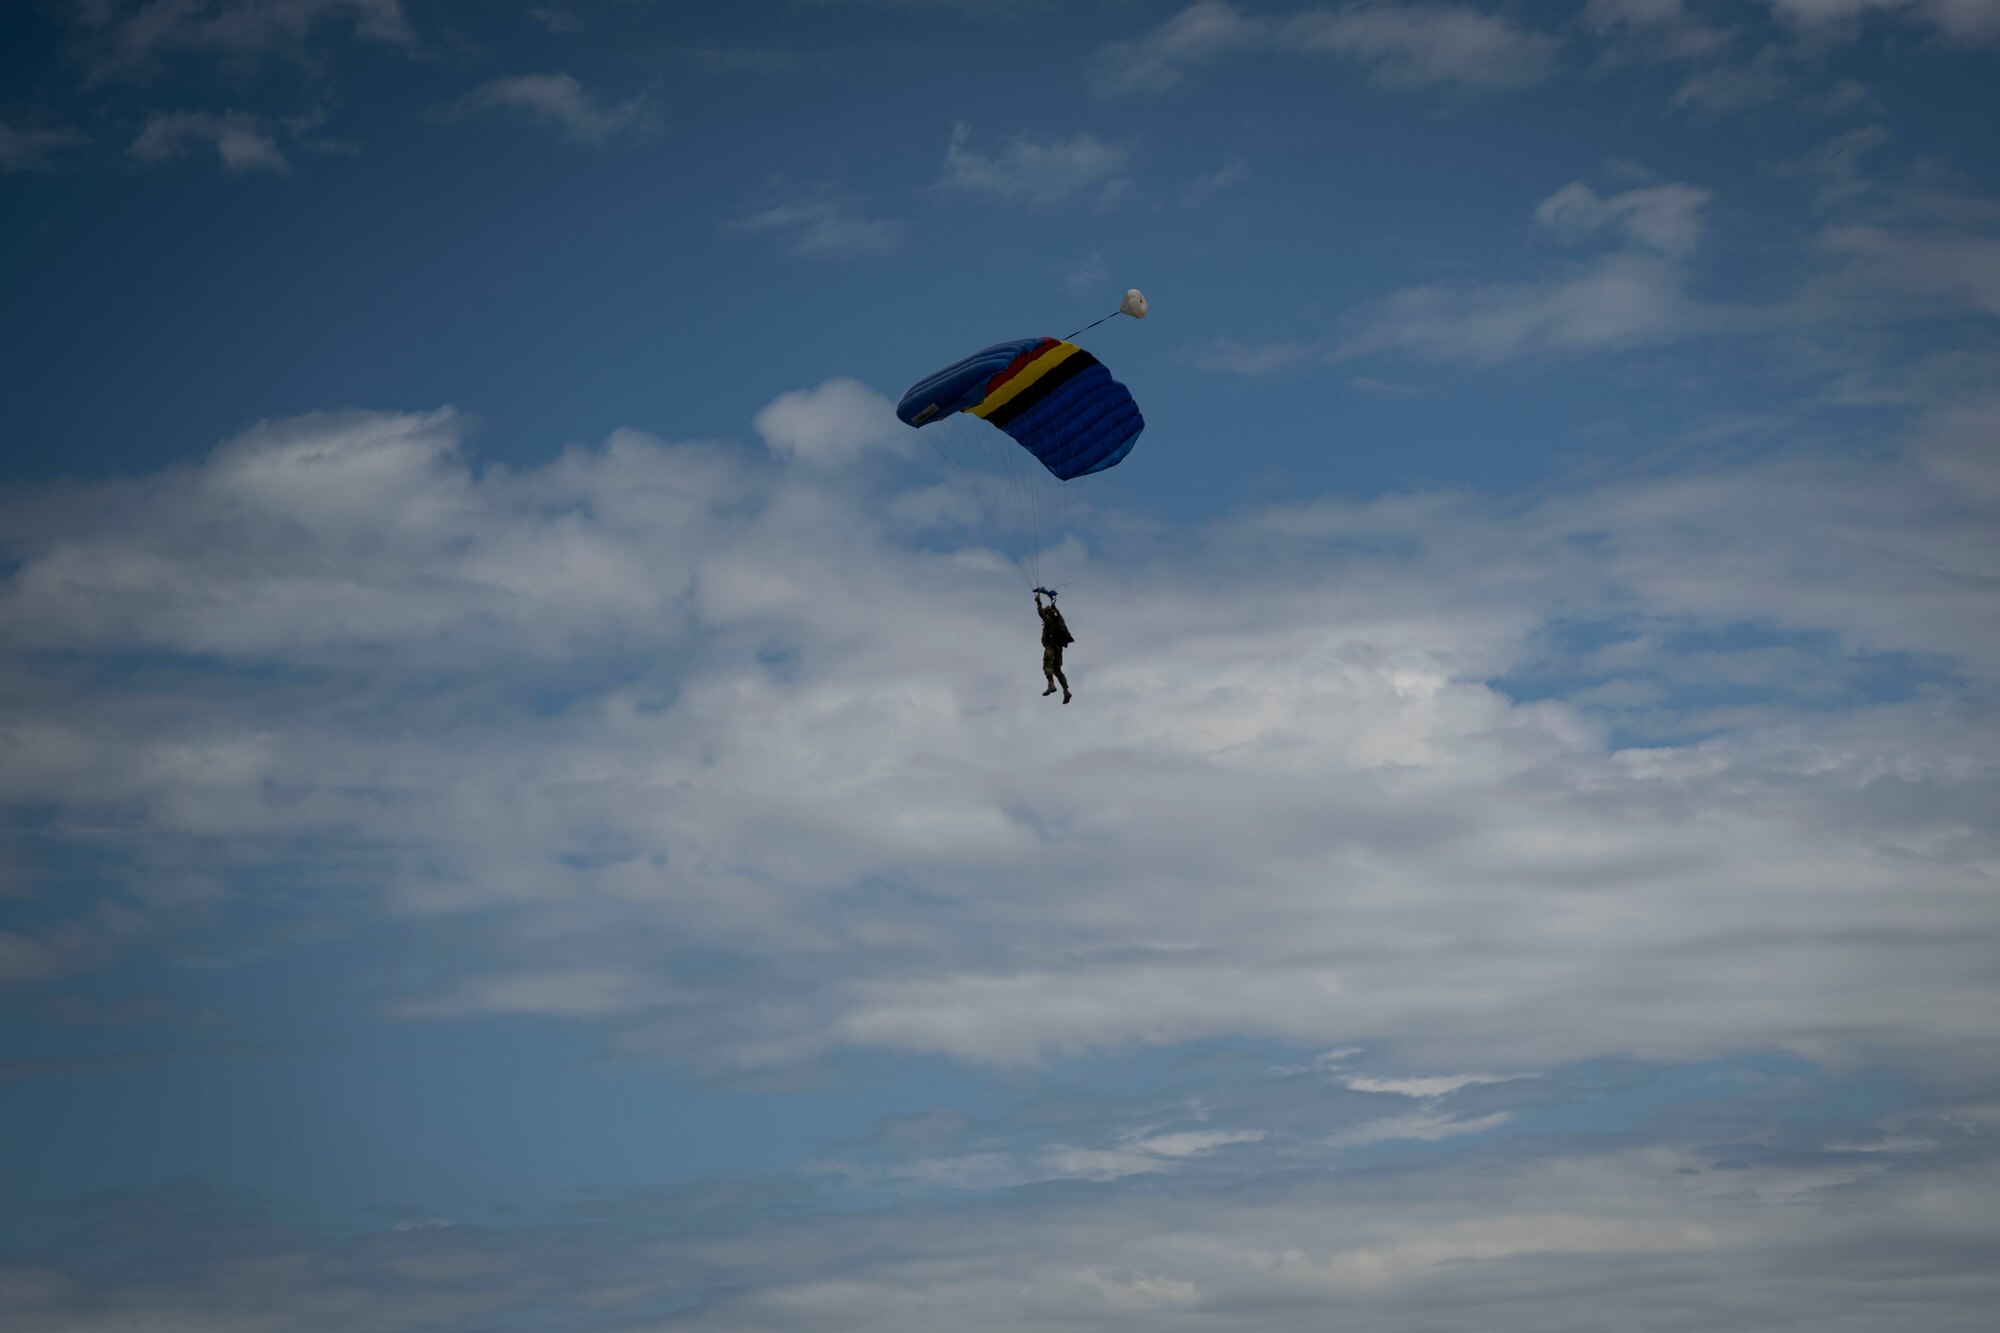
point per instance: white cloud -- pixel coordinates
(1623, 300)
(1436, 1085)
(556, 19)
(1411, 45)
(987, 1162)
(1085, 275)
(1405, 45)
(1915, 255)
(1959, 450)
(1037, 173)
(1423, 1128)
(832, 423)
(1972, 21)
(23, 149)
(1633, 295)
(558, 100)
(1839, 161)
(1666, 218)
(1202, 32)
(1369, 384)
(1604, 13)
(73, 942)
(1656, 29)
(1914, 270)
(137, 34)
(1965, 20)
(1197, 1143)
(1573, 1241)
(239, 138)
(1234, 358)
(1718, 82)
(342, 510)
(1202, 188)
(824, 224)
(1098, 1164)
(1722, 88)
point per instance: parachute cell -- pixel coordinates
(1055, 399)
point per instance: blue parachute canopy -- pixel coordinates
(1056, 400)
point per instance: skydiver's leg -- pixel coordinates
(1051, 668)
(1057, 667)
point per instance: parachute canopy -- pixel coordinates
(1056, 400)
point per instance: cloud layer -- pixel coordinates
(658, 702)
(1700, 1242)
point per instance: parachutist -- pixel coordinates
(1055, 638)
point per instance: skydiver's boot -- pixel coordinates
(1065, 696)
(1050, 690)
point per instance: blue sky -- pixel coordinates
(527, 796)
